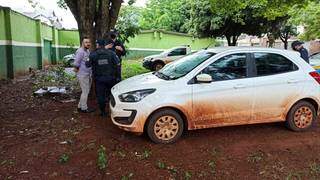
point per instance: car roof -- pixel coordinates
(218, 50)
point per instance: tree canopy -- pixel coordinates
(309, 17)
(165, 14)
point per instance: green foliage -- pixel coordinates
(127, 177)
(102, 158)
(212, 165)
(62, 4)
(308, 16)
(314, 169)
(146, 154)
(232, 18)
(187, 175)
(166, 14)
(131, 68)
(63, 158)
(127, 23)
(55, 76)
(161, 165)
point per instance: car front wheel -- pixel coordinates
(158, 65)
(301, 117)
(165, 126)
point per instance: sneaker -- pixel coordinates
(87, 110)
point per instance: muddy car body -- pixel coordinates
(157, 61)
(218, 87)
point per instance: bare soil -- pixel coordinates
(36, 132)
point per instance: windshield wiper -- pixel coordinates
(162, 76)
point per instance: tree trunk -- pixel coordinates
(94, 17)
(232, 40)
(229, 40)
(284, 38)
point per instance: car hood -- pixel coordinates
(153, 56)
(143, 81)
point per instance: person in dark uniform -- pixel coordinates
(106, 72)
(115, 45)
(298, 46)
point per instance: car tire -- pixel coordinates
(301, 117)
(157, 66)
(165, 126)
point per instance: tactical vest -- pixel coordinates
(103, 65)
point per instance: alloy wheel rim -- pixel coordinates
(303, 117)
(166, 127)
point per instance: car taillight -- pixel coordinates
(316, 76)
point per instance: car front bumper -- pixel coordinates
(128, 116)
(147, 64)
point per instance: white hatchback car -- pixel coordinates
(219, 87)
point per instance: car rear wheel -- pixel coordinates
(165, 126)
(301, 117)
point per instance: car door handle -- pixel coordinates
(239, 86)
(293, 81)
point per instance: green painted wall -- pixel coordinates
(166, 40)
(3, 62)
(46, 32)
(2, 25)
(69, 38)
(23, 29)
(23, 58)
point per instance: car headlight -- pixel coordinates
(135, 96)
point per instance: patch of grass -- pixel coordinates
(146, 154)
(3, 162)
(63, 158)
(172, 170)
(131, 68)
(102, 158)
(294, 176)
(161, 165)
(314, 169)
(187, 175)
(121, 153)
(202, 174)
(212, 165)
(127, 177)
(256, 157)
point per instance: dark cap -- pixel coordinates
(101, 42)
(296, 43)
(113, 32)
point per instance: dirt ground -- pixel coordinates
(41, 138)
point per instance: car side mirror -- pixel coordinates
(204, 78)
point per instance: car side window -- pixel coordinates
(178, 52)
(228, 68)
(269, 63)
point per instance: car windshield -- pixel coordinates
(168, 51)
(183, 66)
(315, 60)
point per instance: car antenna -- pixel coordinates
(207, 46)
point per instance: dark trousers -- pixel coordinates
(103, 90)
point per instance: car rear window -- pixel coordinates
(269, 64)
